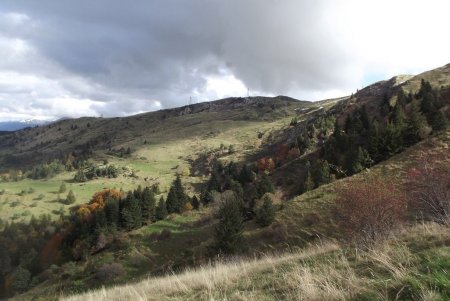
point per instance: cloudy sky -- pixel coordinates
(65, 58)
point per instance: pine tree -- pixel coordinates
(22, 278)
(62, 188)
(161, 210)
(438, 121)
(195, 202)
(172, 201)
(101, 223)
(112, 213)
(245, 176)
(148, 204)
(308, 184)
(265, 214)
(70, 199)
(131, 214)
(228, 232)
(138, 193)
(323, 173)
(417, 123)
(265, 185)
(179, 189)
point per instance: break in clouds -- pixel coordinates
(112, 58)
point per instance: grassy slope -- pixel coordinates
(306, 219)
(165, 153)
(412, 266)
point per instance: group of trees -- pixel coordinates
(92, 171)
(363, 141)
(236, 191)
(46, 170)
(21, 253)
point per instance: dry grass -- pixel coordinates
(324, 272)
(210, 281)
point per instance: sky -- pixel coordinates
(65, 58)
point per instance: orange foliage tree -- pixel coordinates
(266, 163)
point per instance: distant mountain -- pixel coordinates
(9, 126)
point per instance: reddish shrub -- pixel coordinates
(368, 210)
(429, 187)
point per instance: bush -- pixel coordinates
(110, 272)
(369, 209)
(430, 191)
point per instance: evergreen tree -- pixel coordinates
(228, 232)
(195, 202)
(373, 143)
(303, 143)
(148, 204)
(438, 121)
(265, 214)
(308, 183)
(206, 197)
(22, 279)
(70, 199)
(101, 223)
(427, 105)
(357, 160)
(323, 173)
(62, 188)
(112, 213)
(172, 201)
(131, 214)
(417, 123)
(138, 193)
(364, 117)
(245, 175)
(161, 210)
(265, 185)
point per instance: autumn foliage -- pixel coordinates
(98, 201)
(369, 209)
(266, 164)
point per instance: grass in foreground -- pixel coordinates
(413, 265)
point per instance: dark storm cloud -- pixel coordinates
(139, 55)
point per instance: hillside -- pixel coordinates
(153, 192)
(307, 262)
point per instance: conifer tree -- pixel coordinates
(70, 199)
(195, 202)
(172, 201)
(22, 278)
(265, 185)
(148, 204)
(417, 123)
(101, 223)
(112, 213)
(265, 214)
(308, 184)
(131, 214)
(62, 188)
(323, 173)
(228, 232)
(245, 175)
(438, 121)
(161, 210)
